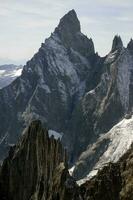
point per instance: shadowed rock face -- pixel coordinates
(36, 169)
(117, 43)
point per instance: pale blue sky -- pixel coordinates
(24, 24)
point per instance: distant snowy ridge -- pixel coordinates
(8, 73)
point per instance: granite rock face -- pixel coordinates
(36, 169)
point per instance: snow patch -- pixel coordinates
(120, 140)
(55, 134)
(88, 177)
(46, 88)
(71, 170)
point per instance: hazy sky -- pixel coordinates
(24, 24)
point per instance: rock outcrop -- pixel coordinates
(36, 169)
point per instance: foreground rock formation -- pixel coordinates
(36, 169)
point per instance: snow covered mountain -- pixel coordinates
(8, 73)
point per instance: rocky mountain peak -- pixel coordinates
(130, 45)
(69, 23)
(69, 33)
(117, 43)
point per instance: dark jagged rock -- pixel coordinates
(69, 23)
(36, 169)
(113, 182)
(117, 43)
(130, 46)
(69, 32)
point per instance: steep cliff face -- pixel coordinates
(113, 182)
(36, 169)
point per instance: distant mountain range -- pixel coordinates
(83, 99)
(8, 73)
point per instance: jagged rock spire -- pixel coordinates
(117, 43)
(34, 167)
(130, 45)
